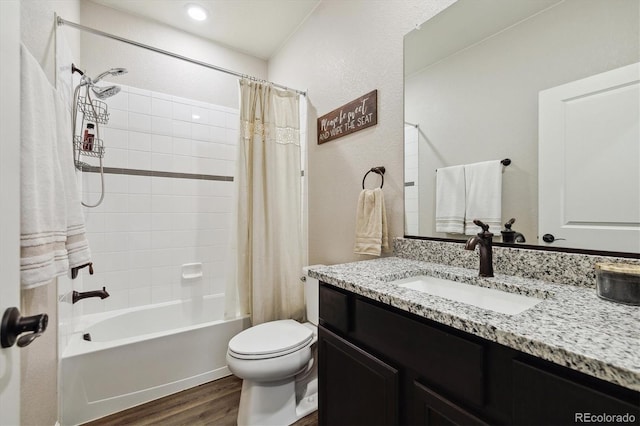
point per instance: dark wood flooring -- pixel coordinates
(214, 403)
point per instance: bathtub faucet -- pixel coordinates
(77, 295)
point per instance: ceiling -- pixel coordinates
(256, 27)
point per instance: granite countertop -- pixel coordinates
(572, 326)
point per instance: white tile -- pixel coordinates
(141, 258)
(182, 146)
(117, 222)
(113, 261)
(118, 299)
(181, 111)
(139, 184)
(231, 137)
(139, 277)
(162, 240)
(93, 221)
(183, 164)
(161, 293)
(161, 108)
(161, 185)
(232, 121)
(116, 280)
(162, 162)
(139, 141)
(163, 204)
(161, 275)
(139, 91)
(115, 138)
(140, 240)
(161, 221)
(140, 203)
(116, 183)
(116, 241)
(219, 134)
(161, 126)
(201, 115)
(119, 101)
(202, 132)
(116, 157)
(115, 203)
(181, 129)
(140, 296)
(218, 118)
(139, 160)
(140, 221)
(139, 122)
(162, 144)
(139, 103)
(118, 119)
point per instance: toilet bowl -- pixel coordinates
(277, 363)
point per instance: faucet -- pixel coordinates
(511, 236)
(102, 294)
(483, 238)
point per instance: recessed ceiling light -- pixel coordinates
(197, 12)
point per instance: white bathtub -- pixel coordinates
(141, 354)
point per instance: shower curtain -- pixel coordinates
(267, 243)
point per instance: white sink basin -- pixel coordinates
(481, 297)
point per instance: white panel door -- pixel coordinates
(589, 162)
(9, 200)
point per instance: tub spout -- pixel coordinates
(77, 295)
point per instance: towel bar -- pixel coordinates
(379, 170)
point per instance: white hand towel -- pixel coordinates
(46, 233)
(483, 183)
(450, 199)
(371, 223)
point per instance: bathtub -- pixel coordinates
(140, 354)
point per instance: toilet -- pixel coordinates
(277, 362)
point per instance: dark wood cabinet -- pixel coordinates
(381, 365)
(357, 388)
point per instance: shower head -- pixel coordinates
(113, 71)
(105, 92)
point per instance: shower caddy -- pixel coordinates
(92, 111)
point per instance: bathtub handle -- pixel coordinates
(13, 325)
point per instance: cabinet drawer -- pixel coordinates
(434, 409)
(334, 309)
(451, 364)
(542, 397)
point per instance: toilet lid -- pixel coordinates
(270, 339)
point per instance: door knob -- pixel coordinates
(13, 325)
(549, 238)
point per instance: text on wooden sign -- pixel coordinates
(356, 115)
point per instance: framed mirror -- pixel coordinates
(474, 75)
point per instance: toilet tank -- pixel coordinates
(311, 297)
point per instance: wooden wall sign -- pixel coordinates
(349, 118)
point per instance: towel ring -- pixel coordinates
(379, 170)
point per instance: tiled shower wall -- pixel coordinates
(168, 198)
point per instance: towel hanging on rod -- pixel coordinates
(504, 162)
(379, 170)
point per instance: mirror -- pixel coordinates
(473, 74)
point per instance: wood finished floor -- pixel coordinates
(214, 403)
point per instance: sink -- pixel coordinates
(481, 297)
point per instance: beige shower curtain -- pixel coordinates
(267, 237)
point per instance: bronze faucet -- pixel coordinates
(102, 294)
(485, 239)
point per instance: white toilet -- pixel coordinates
(277, 362)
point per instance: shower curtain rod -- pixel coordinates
(61, 21)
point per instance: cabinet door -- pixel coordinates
(435, 410)
(355, 388)
(542, 397)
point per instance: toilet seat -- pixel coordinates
(270, 340)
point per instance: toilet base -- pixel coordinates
(273, 403)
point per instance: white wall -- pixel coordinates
(344, 50)
(482, 103)
(152, 71)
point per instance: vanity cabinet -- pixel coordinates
(381, 365)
